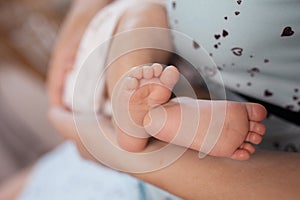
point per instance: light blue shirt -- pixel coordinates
(64, 175)
(255, 44)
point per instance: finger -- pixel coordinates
(61, 63)
(63, 57)
(64, 53)
(55, 83)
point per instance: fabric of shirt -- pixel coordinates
(255, 44)
(64, 175)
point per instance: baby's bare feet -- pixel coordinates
(140, 90)
(241, 129)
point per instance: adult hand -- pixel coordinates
(64, 53)
(96, 140)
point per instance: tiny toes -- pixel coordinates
(148, 72)
(254, 138)
(157, 68)
(257, 128)
(241, 154)
(131, 83)
(256, 112)
(137, 73)
(248, 147)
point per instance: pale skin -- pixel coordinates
(247, 116)
(267, 175)
(272, 175)
(147, 18)
(143, 88)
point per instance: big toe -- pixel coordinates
(169, 76)
(256, 112)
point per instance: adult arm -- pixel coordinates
(272, 175)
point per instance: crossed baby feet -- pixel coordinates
(141, 108)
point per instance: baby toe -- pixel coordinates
(131, 83)
(249, 147)
(256, 112)
(241, 154)
(169, 76)
(258, 128)
(136, 72)
(157, 68)
(148, 72)
(254, 138)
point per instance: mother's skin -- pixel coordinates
(272, 175)
(267, 175)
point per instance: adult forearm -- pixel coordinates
(267, 175)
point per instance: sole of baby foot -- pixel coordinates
(256, 114)
(141, 89)
(241, 131)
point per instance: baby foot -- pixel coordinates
(140, 90)
(241, 129)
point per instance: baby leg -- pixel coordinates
(139, 91)
(132, 23)
(241, 129)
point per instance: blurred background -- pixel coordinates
(28, 29)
